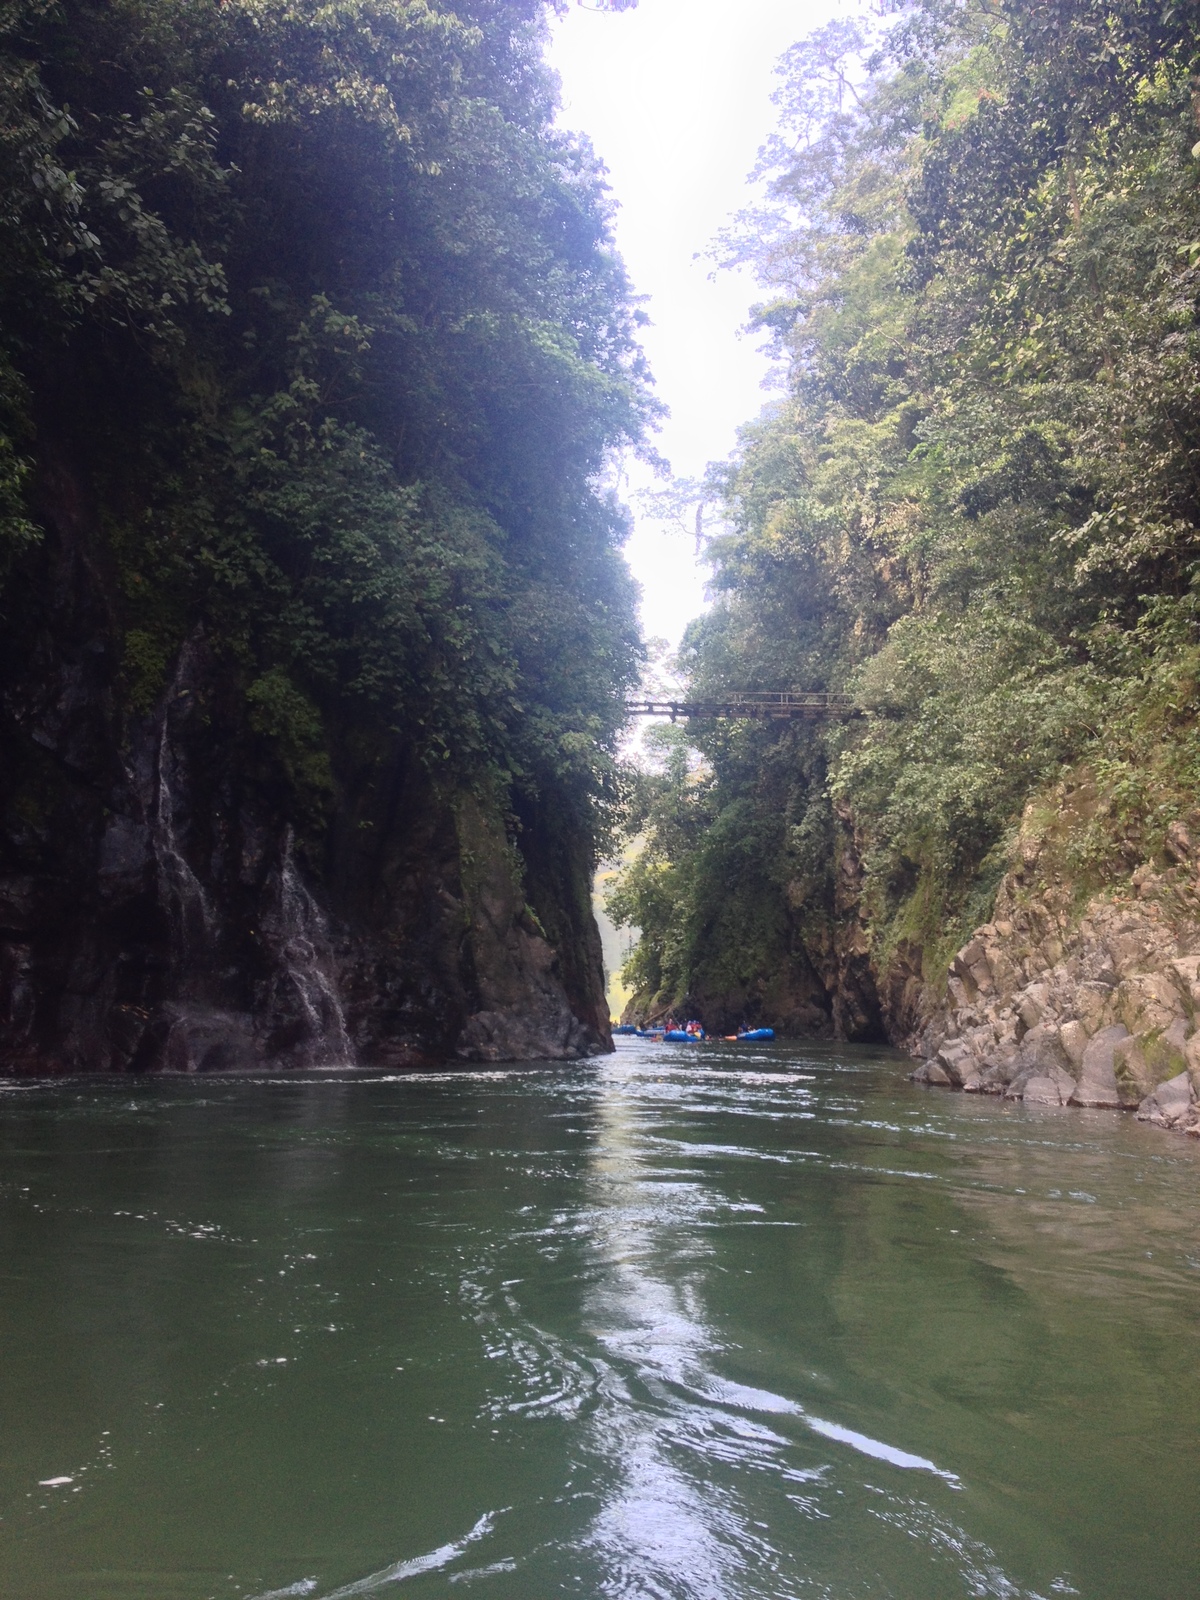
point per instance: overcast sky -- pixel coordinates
(675, 97)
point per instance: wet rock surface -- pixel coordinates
(160, 908)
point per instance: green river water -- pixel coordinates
(697, 1322)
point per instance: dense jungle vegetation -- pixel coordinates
(313, 315)
(976, 508)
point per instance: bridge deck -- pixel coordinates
(782, 706)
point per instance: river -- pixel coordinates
(698, 1322)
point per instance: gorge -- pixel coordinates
(317, 636)
(344, 1250)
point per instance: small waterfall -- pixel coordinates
(192, 922)
(296, 1017)
(310, 1024)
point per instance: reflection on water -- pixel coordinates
(681, 1517)
(698, 1323)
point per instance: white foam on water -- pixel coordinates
(470, 1575)
(750, 1399)
(880, 1451)
(434, 1561)
(459, 1075)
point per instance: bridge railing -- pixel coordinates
(782, 705)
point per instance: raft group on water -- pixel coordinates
(671, 1032)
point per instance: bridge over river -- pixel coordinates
(780, 706)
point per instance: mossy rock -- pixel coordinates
(1145, 1060)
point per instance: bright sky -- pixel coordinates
(675, 97)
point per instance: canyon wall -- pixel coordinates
(1071, 997)
(315, 630)
(159, 907)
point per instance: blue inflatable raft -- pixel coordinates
(757, 1033)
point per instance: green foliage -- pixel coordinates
(322, 313)
(977, 506)
(655, 891)
(292, 727)
(146, 666)
(17, 529)
(733, 853)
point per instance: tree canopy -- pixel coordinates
(323, 311)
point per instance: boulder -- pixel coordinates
(1042, 1050)
(1135, 944)
(1133, 1073)
(1052, 951)
(1001, 1062)
(1148, 1002)
(1093, 1001)
(1101, 1009)
(980, 1040)
(1016, 1087)
(1097, 1084)
(1186, 972)
(1128, 945)
(1029, 1011)
(971, 967)
(1055, 1089)
(1041, 1092)
(932, 1072)
(1003, 968)
(993, 1078)
(1031, 1006)
(1179, 844)
(958, 1062)
(1167, 1054)
(1191, 1059)
(1169, 1103)
(1146, 882)
(1148, 1059)
(959, 993)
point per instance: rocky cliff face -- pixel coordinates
(159, 907)
(1096, 1004)
(1063, 998)
(824, 986)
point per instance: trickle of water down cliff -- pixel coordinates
(157, 912)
